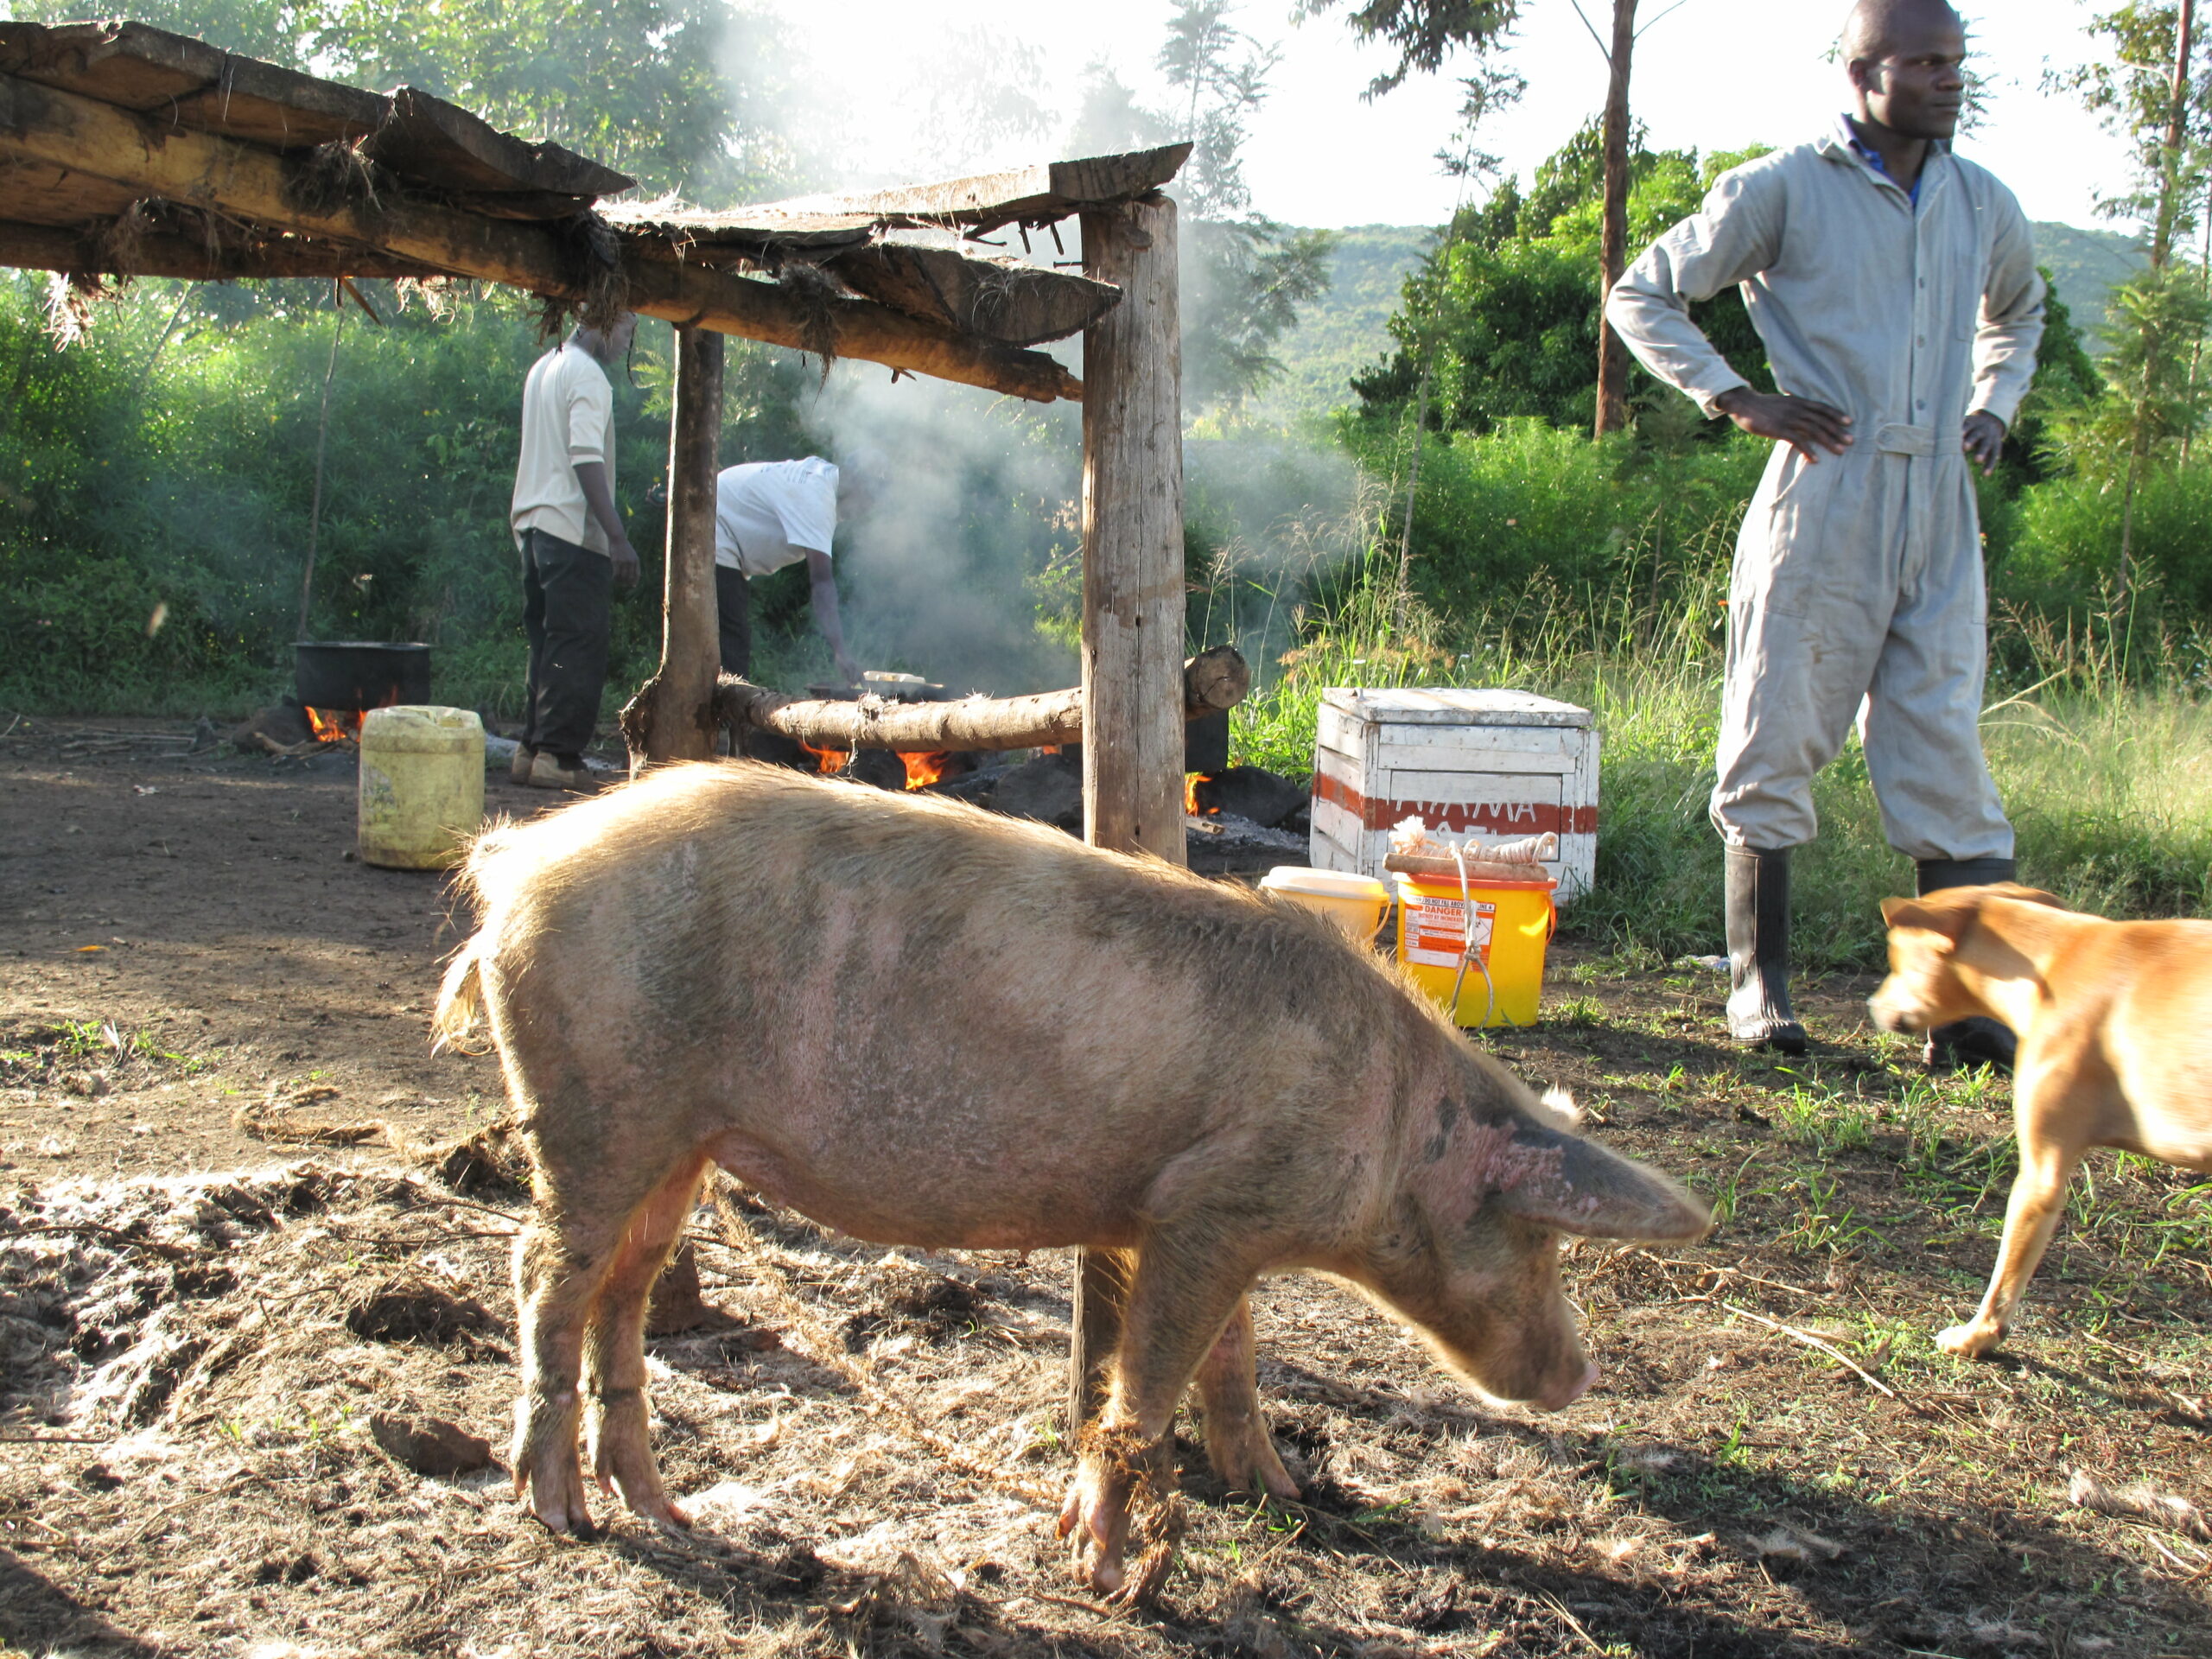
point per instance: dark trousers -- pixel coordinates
(734, 613)
(566, 591)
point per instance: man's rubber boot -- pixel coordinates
(1758, 952)
(1980, 1040)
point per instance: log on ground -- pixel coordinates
(1212, 680)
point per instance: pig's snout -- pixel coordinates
(1566, 1396)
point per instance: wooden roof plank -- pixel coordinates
(1046, 191)
(38, 125)
(1005, 300)
(422, 138)
(427, 137)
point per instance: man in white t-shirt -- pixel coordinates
(574, 550)
(769, 514)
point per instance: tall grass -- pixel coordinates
(2109, 777)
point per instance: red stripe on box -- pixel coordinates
(1491, 817)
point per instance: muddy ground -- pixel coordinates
(207, 1341)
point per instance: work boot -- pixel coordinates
(519, 763)
(1758, 952)
(1979, 1041)
(551, 772)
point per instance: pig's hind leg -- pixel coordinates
(614, 1349)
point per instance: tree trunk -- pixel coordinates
(2162, 241)
(1613, 257)
(672, 716)
(1133, 583)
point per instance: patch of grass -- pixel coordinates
(2108, 778)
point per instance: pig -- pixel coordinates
(922, 1025)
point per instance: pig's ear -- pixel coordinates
(1590, 1190)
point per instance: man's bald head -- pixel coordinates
(1876, 28)
(1905, 59)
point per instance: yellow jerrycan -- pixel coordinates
(422, 792)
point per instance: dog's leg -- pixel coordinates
(2050, 1112)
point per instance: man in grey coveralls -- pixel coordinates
(1894, 285)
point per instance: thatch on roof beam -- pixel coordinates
(61, 130)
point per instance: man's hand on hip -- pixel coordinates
(1985, 439)
(624, 559)
(1807, 426)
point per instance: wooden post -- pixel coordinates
(672, 716)
(1132, 610)
(1612, 252)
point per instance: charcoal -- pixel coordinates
(1267, 798)
(1048, 789)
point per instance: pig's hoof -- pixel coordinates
(1245, 1458)
(623, 1460)
(1123, 1489)
(1974, 1341)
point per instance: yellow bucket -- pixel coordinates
(1358, 904)
(421, 786)
(1500, 979)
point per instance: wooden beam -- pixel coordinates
(60, 129)
(672, 716)
(1033, 194)
(1133, 585)
(1005, 300)
(45, 247)
(1212, 680)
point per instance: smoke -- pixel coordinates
(963, 560)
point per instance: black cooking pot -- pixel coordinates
(355, 675)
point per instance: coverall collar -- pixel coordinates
(1841, 144)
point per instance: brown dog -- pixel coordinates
(2114, 1020)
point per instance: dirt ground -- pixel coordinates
(217, 1355)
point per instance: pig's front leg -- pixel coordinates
(614, 1351)
(1237, 1442)
(1180, 1298)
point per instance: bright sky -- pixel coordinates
(1714, 74)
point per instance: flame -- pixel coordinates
(923, 770)
(335, 725)
(826, 760)
(1191, 782)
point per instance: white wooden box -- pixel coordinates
(1484, 764)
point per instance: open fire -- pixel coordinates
(1190, 807)
(336, 725)
(923, 770)
(827, 760)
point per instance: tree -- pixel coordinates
(1506, 311)
(1244, 275)
(2151, 89)
(1425, 32)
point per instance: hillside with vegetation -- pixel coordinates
(1342, 332)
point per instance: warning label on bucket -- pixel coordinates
(1436, 930)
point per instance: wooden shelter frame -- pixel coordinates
(128, 151)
